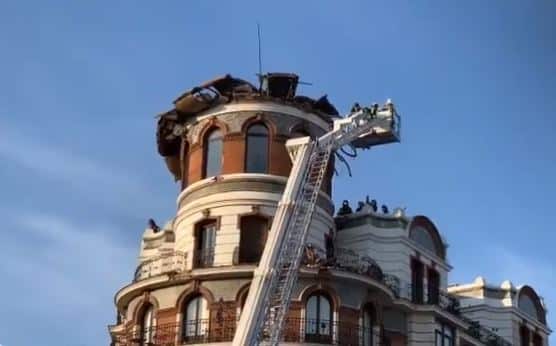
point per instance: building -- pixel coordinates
(369, 276)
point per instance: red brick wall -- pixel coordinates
(233, 159)
(195, 164)
(222, 321)
(233, 155)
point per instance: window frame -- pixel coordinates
(368, 337)
(417, 281)
(442, 338)
(318, 336)
(147, 328)
(204, 255)
(242, 219)
(201, 324)
(247, 145)
(207, 140)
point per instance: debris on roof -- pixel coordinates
(275, 87)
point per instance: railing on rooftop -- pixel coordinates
(483, 334)
(202, 331)
(172, 262)
(428, 295)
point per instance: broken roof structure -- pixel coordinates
(275, 87)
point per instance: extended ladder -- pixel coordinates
(269, 296)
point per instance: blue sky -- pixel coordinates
(81, 82)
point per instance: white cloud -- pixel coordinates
(96, 180)
(67, 271)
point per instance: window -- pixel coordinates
(195, 319)
(433, 287)
(527, 305)
(147, 332)
(257, 149)
(318, 319)
(213, 154)
(422, 237)
(444, 336)
(242, 300)
(417, 269)
(184, 164)
(252, 239)
(524, 336)
(204, 244)
(537, 340)
(368, 323)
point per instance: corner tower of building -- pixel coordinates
(225, 142)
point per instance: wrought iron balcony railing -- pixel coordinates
(429, 295)
(204, 258)
(483, 334)
(296, 330)
(172, 262)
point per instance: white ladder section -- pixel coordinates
(270, 292)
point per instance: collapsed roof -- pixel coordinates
(276, 87)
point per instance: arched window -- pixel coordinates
(252, 239)
(318, 318)
(527, 305)
(256, 158)
(184, 164)
(147, 326)
(242, 300)
(213, 154)
(422, 237)
(195, 325)
(368, 323)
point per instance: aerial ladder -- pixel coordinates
(273, 281)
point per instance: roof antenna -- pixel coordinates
(260, 57)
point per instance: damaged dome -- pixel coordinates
(275, 87)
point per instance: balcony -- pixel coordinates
(428, 296)
(483, 334)
(206, 331)
(173, 262)
(204, 258)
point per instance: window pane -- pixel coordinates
(213, 154)
(311, 309)
(147, 325)
(196, 317)
(253, 234)
(367, 328)
(438, 338)
(257, 149)
(422, 237)
(527, 305)
(324, 315)
(208, 236)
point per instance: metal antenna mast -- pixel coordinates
(260, 56)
